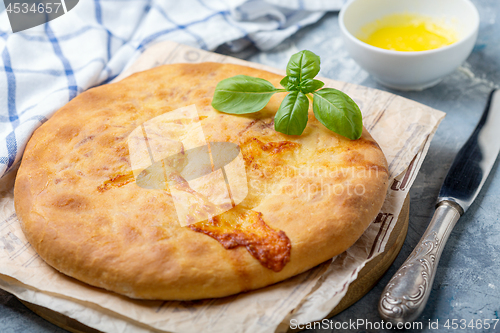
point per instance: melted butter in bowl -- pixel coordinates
(409, 44)
(408, 32)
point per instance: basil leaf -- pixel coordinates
(308, 85)
(242, 94)
(338, 112)
(303, 65)
(291, 117)
(290, 83)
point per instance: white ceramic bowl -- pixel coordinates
(410, 70)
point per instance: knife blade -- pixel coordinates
(475, 159)
(405, 296)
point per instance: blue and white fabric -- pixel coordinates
(44, 67)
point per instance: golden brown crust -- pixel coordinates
(83, 213)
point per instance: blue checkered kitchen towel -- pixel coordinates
(44, 67)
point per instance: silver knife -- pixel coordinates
(406, 294)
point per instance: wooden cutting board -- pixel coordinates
(367, 278)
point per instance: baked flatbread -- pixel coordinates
(84, 208)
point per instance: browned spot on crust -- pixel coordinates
(85, 140)
(375, 167)
(373, 144)
(116, 181)
(355, 159)
(277, 147)
(71, 202)
(247, 127)
(130, 233)
(239, 227)
(270, 157)
(68, 132)
(254, 147)
(266, 125)
(259, 124)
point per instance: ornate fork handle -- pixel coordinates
(405, 296)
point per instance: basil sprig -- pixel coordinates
(242, 94)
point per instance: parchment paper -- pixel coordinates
(402, 128)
